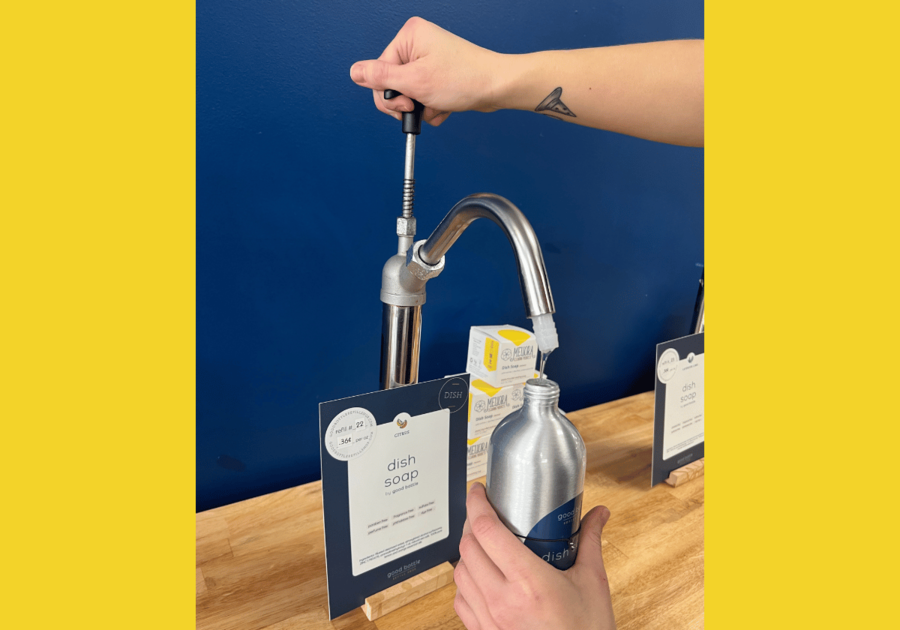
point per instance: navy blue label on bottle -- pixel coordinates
(559, 553)
(555, 537)
(560, 523)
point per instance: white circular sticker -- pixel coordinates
(668, 365)
(350, 433)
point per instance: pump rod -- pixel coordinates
(412, 126)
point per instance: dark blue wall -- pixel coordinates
(299, 182)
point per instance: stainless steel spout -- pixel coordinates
(403, 280)
(532, 272)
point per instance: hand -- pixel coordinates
(440, 70)
(501, 584)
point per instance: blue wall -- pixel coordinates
(299, 181)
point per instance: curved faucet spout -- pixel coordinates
(532, 272)
(404, 277)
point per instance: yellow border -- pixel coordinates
(98, 303)
(802, 232)
(97, 259)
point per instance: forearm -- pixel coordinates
(652, 91)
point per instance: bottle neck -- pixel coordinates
(541, 393)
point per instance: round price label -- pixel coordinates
(350, 433)
(668, 365)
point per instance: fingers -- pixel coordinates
(397, 51)
(472, 597)
(590, 555)
(400, 50)
(464, 611)
(398, 103)
(380, 75)
(484, 572)
(434, 117)
(396, 69)
(379, 104)
(506, 551)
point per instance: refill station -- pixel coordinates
(536, 460)
(406, 273)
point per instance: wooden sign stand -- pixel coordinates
(686, 473)
(401, 594)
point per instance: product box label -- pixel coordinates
(487, 407)
(476, 465)
(501, 355)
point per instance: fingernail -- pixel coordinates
(356, 72)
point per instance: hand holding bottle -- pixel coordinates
(502, 585)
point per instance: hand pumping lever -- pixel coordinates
(412, 126)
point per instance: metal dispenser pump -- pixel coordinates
(405, 274)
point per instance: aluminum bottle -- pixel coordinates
(535, 475)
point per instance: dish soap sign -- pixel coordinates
(678, 417)
(393, 486)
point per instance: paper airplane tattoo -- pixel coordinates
(553, 104)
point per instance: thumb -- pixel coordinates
(590, 556)
(381, 75)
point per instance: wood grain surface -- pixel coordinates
(261, 562)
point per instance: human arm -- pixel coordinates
(501, 584)
(652, 91)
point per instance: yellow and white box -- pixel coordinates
(487, 407)
(501, 355)
(476, 463)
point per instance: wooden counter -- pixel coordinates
(261, 562)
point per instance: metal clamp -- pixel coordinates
(418, 267)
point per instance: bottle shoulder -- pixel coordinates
(539, 427)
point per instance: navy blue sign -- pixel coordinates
(678, 421)
(393, 486)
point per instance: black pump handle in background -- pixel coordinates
(412, 121)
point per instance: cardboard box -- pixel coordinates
(501, 355)
(487, 407)
(476, 463)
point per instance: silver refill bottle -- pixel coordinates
(535, 475)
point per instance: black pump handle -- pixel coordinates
(412, 121)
